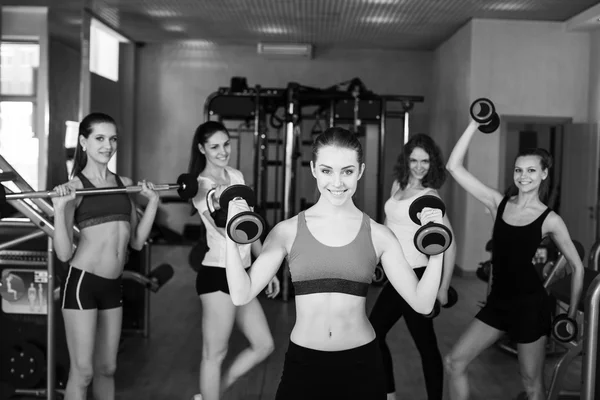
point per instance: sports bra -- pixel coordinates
(317, 268)
(101, 208)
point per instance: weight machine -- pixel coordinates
(353, 105)
(27, 357)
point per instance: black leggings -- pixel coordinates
(388, 309)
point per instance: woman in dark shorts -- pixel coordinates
(332, 250)
(518, 304)
(209, 161)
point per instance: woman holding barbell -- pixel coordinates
(91, 292)
(518, 304)
(419, 172)
(209, 161)
(332, 250)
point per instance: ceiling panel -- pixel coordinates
(393, 24)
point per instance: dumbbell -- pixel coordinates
(154, 280)
(247, 226)
(452, 300)
(486, 115)
(564, 329)
(431, 238)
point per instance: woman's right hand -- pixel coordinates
(64, 194)
(431, 215)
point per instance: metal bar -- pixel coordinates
(590, 341)
(594, 256)
(332, 113)
(34, 216)
(406, 127)
(16, 223)
(146, 271)
(51, 350)
(90, 191)
(560, 263)
(25, 187)
(257, 149)
(22, 239)
(380, 161)
(560, 370)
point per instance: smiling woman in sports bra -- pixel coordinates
(518, 305)
(91, 292)
(332, 249)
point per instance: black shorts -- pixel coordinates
(83, 290)
(524, 317)
(354, 374)
(211, 279)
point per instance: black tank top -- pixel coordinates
(513, 250)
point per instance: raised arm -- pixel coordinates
(488, 196)
(560, 235)
(140, 229)
(419, 294)
(64, 214)
(244, 286)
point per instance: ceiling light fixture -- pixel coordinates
(380, 19)
(275, 30)
(299, 50)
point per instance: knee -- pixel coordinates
(265, 347)
(82, 373)
(107, 369)
(214, 354)
(453, 365)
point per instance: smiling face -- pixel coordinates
(418, 163)
(217, 149)
(337, 172)
(528, 173)
(101, 144)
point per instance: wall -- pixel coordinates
(450, 97)
(594, 82)
(527, 68)
(174, 81)
(64, 68)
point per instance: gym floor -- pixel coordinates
(165, 366)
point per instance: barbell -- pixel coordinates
(186, 186)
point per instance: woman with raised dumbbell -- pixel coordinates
(332, 250)
(91, 292)
(209, 162)
(419, 172)
(517, 304)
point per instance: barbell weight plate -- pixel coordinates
(452, 297)
(234, 191)
(428, 200)
(486, 110)
(491, 126)
(245, 227)
(564, 329)
(188, 186)
(25, 365)
(432, 239)
(435, 312)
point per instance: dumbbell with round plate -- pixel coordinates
(186, 186)
(564, 328)
(246, 226)
(431, 238)
(452, 300)
(483, 111)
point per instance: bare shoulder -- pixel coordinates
(380, 232)
(76, 183)
(553, 222)
(283, 233)
(126, 181)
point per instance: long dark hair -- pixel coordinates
(436, 176)
(86, 126)
(546, 162)
(203, 133)
(338, 137)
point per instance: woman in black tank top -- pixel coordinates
(518, 303)
(332, 352)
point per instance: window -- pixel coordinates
(104, 50)
(19, 145)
